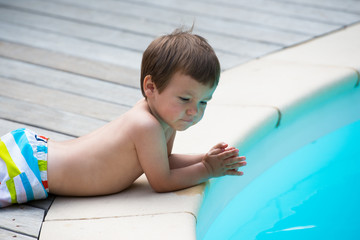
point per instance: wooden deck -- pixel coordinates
(68, 67)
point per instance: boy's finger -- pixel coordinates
(230, 153)
(221, 145)
(230, 148)
(237, 165)
(232, 160)
(234, 172)
(216, 151)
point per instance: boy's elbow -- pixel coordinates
(161, 186)
(160, 189)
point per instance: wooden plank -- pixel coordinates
(7, 126)
(351, 6)
(43, 204)
(8, 235)
(227, 58)
(22, 219)
(289, 9)
(234, 36)
(64, 81)
(250, 33)
(70, 46)
(61, 101)
(224, 44)
(220, 11)
(136, 24)
(229, 55)
(81, 30)
(47, 118)
(91, 68)
(97, 34)
(122, 39)
(204, 23)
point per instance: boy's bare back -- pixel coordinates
(102, 162)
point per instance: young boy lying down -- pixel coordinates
(179, 74)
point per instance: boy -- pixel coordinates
(179, 73)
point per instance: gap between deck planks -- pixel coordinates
(45, 117)
(62, 101)
(67, 82)
(67, 63)
(232, 47)
(16, 219)
(126, 40)
(55, 105)
(8, 235)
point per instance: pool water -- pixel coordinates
(313, 193)
(301, 182)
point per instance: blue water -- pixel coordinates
(313, 193)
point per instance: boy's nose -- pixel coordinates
(192, 111)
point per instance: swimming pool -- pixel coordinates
(302, 179)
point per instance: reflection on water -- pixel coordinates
(324, 197)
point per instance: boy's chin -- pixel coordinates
(183, 128)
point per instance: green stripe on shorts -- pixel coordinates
(12, 190)
(42, 165)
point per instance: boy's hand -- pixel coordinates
(223, 160)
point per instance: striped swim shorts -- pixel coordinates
(23, 167)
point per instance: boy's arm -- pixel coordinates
(153, 156)
(152, 152)
(181, 160)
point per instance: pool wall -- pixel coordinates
(270, 93)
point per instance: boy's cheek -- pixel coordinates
(198, 119)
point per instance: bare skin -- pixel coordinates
(111, 158)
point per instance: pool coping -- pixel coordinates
(267, 88)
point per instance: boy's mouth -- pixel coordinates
(188, 120)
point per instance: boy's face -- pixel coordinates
(182, 103)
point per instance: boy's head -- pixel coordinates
(180, 51)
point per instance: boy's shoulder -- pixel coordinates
(144, 127)
(143, 119)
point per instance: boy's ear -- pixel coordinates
(149, 86)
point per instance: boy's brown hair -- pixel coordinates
(180, 51)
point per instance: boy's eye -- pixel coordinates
(203, 103)
(184, 99)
